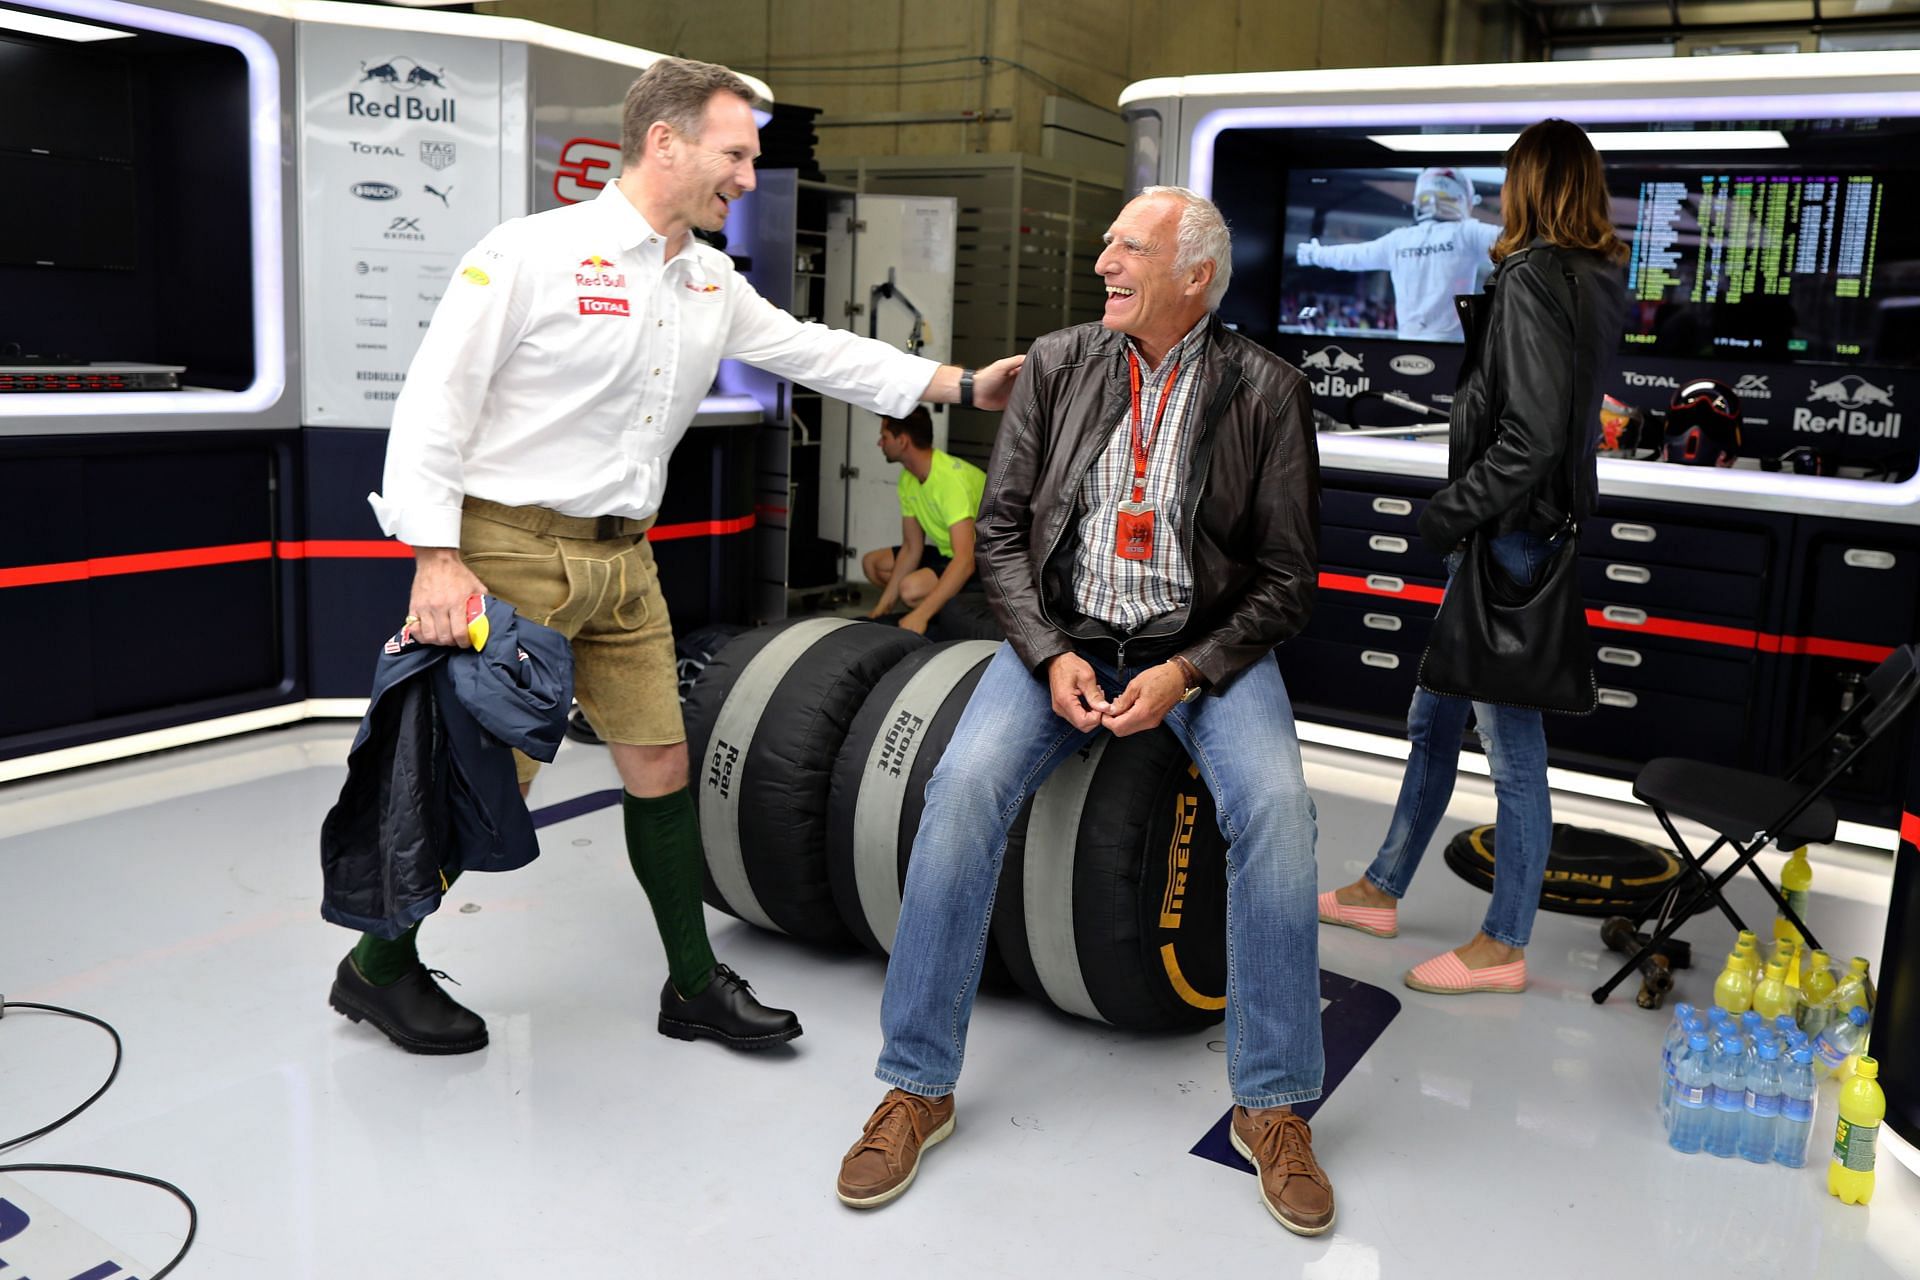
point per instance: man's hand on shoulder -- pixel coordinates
(1077, 696)
(993, 385)
(442, 584)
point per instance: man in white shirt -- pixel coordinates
(528, 458)
(1444, 253)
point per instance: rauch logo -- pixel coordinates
(401, 106)
(1852, 396)
(376, 190)
(1333, 364)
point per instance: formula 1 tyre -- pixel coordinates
(700, 646)
(1113, 899)
(880, 781)
(764, 722)
(1589, 872)
(967, 616)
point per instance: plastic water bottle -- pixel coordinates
(1862, 1107)
(1797, 1099)
(1832, 1047)
(1692, 1095)
(1785, 1027)
(1729, 1097)
(1733, 989)
(1676, 1042)
(1762, 1104)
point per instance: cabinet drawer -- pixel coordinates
(1864, 592)
(1390, 626)
(1639, 724)
(1396, 553)
(1385, 512)
(1665, 542)
(1662, 587)
(1649, 664)
(1364, 679)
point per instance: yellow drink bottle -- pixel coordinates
(1862, 1107)
(1854, 989)
(1816, 993)
(1796, 878)
(1733, 989)
(1749, 948)
(1786, 954)
(1772, 997)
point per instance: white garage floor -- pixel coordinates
(177, 897)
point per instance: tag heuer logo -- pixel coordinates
(436, 155)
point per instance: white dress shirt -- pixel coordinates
(568, 357)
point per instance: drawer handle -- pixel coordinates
(1383, 621)
(1618, 657)
(1863, 558)
(1375, 658)
(1388, 543)
(1383, 582)
(1624, 616)
(1634, 532)
(1393, 506)
(1629, 573)
(1618, 698)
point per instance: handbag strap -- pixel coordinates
(1576, 445)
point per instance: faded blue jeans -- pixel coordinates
(1516, 747)
(1007, 742)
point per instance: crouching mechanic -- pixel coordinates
(1147, 537)
(528, 457)
(939, 501)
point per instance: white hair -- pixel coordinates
(1203, 237)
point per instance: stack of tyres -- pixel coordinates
(764, 722)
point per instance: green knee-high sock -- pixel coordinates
(663, 844)
(384, 961)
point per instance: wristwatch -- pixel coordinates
(966, 388)
(1191, 674)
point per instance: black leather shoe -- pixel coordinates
(725, 1011)
(414, 1012)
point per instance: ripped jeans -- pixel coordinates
(1516, 747)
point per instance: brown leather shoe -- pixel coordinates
(1280, 1147)
(882, 1164)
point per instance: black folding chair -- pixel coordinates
(1753, 810)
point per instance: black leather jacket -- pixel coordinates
(1526, 410)
(1249, 514)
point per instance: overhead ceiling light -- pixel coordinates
(1603, 140)
(35, 24)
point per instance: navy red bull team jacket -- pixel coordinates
(430, 781)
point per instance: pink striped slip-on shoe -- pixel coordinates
(1381, 922)
(1447, 975)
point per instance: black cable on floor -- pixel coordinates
(193, 1212)
(107, 1084)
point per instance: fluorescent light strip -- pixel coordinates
(1603, 140)
(35, 24)
(269, 264)
(182, 735)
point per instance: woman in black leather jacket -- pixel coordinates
(1520, 466)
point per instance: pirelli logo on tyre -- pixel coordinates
(1186, 808)
(604, 307)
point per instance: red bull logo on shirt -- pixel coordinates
(594, 274)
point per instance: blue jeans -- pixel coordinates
(1007, 742)
(1516, 747)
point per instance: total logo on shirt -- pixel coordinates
(604, 307)
(594, 273)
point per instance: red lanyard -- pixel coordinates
(1142, 446)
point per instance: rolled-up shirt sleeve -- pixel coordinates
(874, 375)
(479, 320)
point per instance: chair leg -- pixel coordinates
(1671, 921)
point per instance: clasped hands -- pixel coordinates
(1143, 704)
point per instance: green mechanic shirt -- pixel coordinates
(951, 493)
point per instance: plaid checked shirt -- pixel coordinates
(1128, 594)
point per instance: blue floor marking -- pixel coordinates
(1355, 1018)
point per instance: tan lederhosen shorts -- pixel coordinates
(593, 580)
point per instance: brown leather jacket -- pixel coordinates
(1249, 515)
